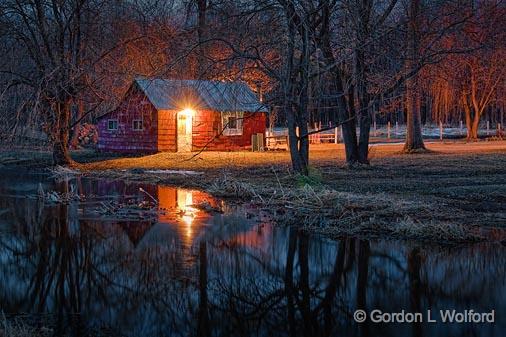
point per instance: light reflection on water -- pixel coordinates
(187, 272)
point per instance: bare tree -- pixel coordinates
(414, 138)
(63, 47)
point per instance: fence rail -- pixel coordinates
(277, 138)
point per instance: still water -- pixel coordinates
(142, 260)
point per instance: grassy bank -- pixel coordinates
(455, 193)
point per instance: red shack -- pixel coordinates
(182, 115)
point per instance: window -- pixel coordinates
(137, 124)
(232, 123)
(112, 124)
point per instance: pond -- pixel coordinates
(124, 259)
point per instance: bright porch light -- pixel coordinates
(187, 112)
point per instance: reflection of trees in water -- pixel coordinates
(311, 288)
(270, 282)
(56, 264)
(275, 296)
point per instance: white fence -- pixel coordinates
(277, 138)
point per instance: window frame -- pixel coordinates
(137, 120)
(239, 117)
(112, 120)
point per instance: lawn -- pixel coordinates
(324, 154)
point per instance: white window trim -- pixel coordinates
(232, 131)
(112, 120)
(137, 120)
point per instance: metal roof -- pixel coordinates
(198, 94)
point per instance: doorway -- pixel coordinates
(184, 131)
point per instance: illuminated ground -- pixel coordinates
(323, 154)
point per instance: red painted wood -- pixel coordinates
(160, 129)
(207, 127)
(167, 127)
(125, 139)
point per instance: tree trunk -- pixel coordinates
(303, 96)
(363, 106)
(414, 139)
(74, 141)
(345, 114)
(298, 164)
(61, 154)
(467, 112)
(476, 125)
(473, 116)
(304, 150)
(296, 94)
(363, 16)
(363, 143)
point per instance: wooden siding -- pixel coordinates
(125, 139)
(160, 129)
(167, 137)
(207, 126)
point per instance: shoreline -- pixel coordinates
(452, 200)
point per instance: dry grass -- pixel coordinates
(441, 195)
(335, 213)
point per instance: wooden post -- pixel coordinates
(319, 128)
(461, 127)
(440, 131)
(336, 140)
(488, 127)
(388, 130)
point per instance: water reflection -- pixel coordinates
(191, 273)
